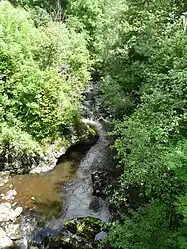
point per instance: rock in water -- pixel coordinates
(100, 180)
(5, 241)
(100, 236)
(44, 233)
(76, 234)
(95, 204)
(86, 227)
(13, 231)
(16, 213)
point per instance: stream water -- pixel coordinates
(42, 192)
(78, 192)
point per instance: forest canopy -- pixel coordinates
(140, 51)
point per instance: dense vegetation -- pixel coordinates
(138, 48)
(141, 50)
(43, 72)
(148, 81)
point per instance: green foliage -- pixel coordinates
(100, 20)
(53, 7)
(139, 33)
(18, 142)
(144, 86)
(43, 72)
(87, 12)
(160, 119)
(177, 160)
(148, 228)
(87, 16)
(139, 49)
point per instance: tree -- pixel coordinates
(149, 228)
(43, 72)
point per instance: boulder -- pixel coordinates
(5, 211)
(95, 204)
(13, 231)
(86, 227)
(44, 233)
(100, 236)
(5, 241)
(77, 233)
(16, 213)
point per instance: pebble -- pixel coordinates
(11, 194)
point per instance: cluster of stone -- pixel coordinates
(9, 226)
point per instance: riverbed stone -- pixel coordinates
(13, 231)
(10, 195)
(5, 241)
(16, 213)
(5, 211)
(4, 177)
(95, 204)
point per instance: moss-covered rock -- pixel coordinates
(76, 234)
(86, 227)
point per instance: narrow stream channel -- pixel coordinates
(66, 192)
(78, 193)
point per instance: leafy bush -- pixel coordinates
(18, 150)
(43, 72)
(148, 228)
(18, 142)
(144, 87)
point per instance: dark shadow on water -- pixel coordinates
(77, 151)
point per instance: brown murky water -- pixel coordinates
(42, 192)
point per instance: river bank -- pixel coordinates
(62, 190)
